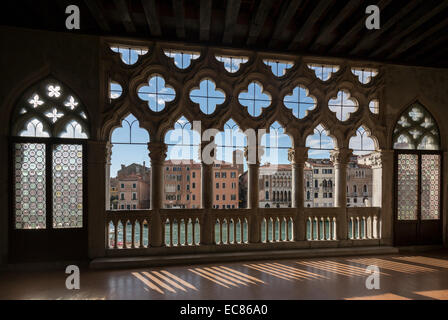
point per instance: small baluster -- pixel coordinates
(116, 234)
(133, 235)
(170, 221)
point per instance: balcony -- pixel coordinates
(187, 231)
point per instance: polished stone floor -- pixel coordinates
(410, 276)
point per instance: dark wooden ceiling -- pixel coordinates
(413, 32)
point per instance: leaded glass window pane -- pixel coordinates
(29, 179)
(416, 129)
(67, 186)
(430, 201)
(407, 191)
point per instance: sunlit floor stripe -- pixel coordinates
(147, 282)
(434, 294)
(160, 283)
(171, 282)
(283, 272)
(391, 265)
(321, 265)
(225, 276)
(208, 278)
(268, 272)
(181, 281)
(352, 269)
(242, 274)
(298, 271)
(216, 277)
(434, 262)
(385, 296)
(234, 275)
(278, 272)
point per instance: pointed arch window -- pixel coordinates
(362, 143)
(416, 129)
(183, 143)
(45, 166)
(129, 165)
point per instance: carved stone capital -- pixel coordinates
(298, 155)
(157, 151)
(341, 155)
(380, 158)
(253, 154)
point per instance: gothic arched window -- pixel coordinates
(43, 166)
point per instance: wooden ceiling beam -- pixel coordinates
(97, 13)
(287, 12)
(205, 19)
(179, 14)
(125, 16)
(398, 37)
(258, 21)
(431, 46)
(412, 41)
(348, 38)
(305, 34)
(328, 35)
(152, 18)
(232, 11)
(369, 40)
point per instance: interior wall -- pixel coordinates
(28, 56)
(429, 86)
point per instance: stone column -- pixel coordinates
(297, 156)
(108, 164)
(383, 196)
(340, 158)
(207, 228)
(157, 153)
(253, 156)
(97, 185)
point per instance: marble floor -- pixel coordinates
(402, 276)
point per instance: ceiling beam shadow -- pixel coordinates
(305, 34)
(205, 13)
(369, 40)
(258, 21)
(96, 11)
(125, 16)
(328, 35)
(412, 41)
(408, 30)
(287, 12)
(232, 11)
(152, 18)
(350, 37)
(179, 14)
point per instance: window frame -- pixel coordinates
(49, 143)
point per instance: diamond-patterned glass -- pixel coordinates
(430, 196)
(67, 186)
(407, 186)
(29, 179)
